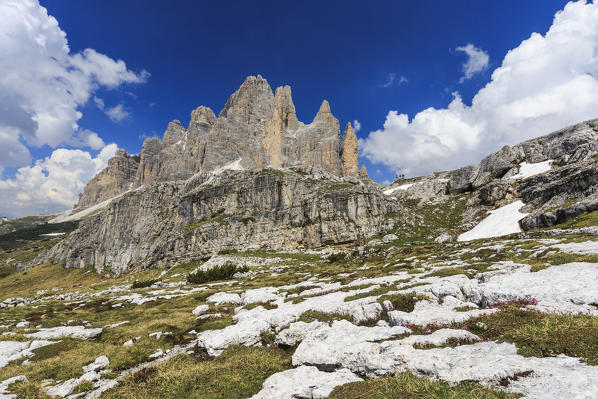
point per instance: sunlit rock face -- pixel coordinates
(256, 128)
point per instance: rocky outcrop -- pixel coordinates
(118, 177)
(256, 129)
(551, 218)
(171, 222)
(566, 146)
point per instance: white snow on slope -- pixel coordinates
(69, 216)
(500, 222)
(402, 187)
(235, 165)
(531, 169)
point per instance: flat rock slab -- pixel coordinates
(78, 332)
(304, 382)
(13, 350)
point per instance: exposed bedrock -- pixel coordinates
(171, 222)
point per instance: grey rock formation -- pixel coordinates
(566, 146)
(561, 215)
(171, 222)
(256, 129)
(118, 177)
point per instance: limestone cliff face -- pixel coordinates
(148, 160)
(118, 177)
(166, 223)
(256, 129)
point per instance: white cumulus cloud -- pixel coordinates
(477, 61)
(42, 85)
(52, 184)
(117, 113)
(549, 81)
(86, 138)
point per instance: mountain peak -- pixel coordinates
(256, 127)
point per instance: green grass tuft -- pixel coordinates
(407, 386)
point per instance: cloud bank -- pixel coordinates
(42, 87)
(52, 184)
(547, 82)
(42, 84)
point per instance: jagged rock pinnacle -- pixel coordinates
(256, 127)
(349, 157)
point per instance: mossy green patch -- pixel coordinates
(238, 373)
(407, 386)
(539, 334)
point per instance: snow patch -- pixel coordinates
(402, 187)
(531, 169)
(235, 165)
(500, 222)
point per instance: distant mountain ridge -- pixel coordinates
(256, 129)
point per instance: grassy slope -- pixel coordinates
(241, 371)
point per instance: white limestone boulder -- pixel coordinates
(304, 382)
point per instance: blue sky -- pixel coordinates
(366, 58)
(198, 53)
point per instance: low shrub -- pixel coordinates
(224, 272)
(6, 270)
(336, 257)
(143, 283)
(227, 251)
(403, 302)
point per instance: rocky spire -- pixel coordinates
(324, 114)
(174, 133)
(201, 115)
(363, 173)
(283, 118)
(252, 103)
(256, 127)
(349, 157)
(119, 176)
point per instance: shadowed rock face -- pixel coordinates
(256, 128)
(171, 222)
